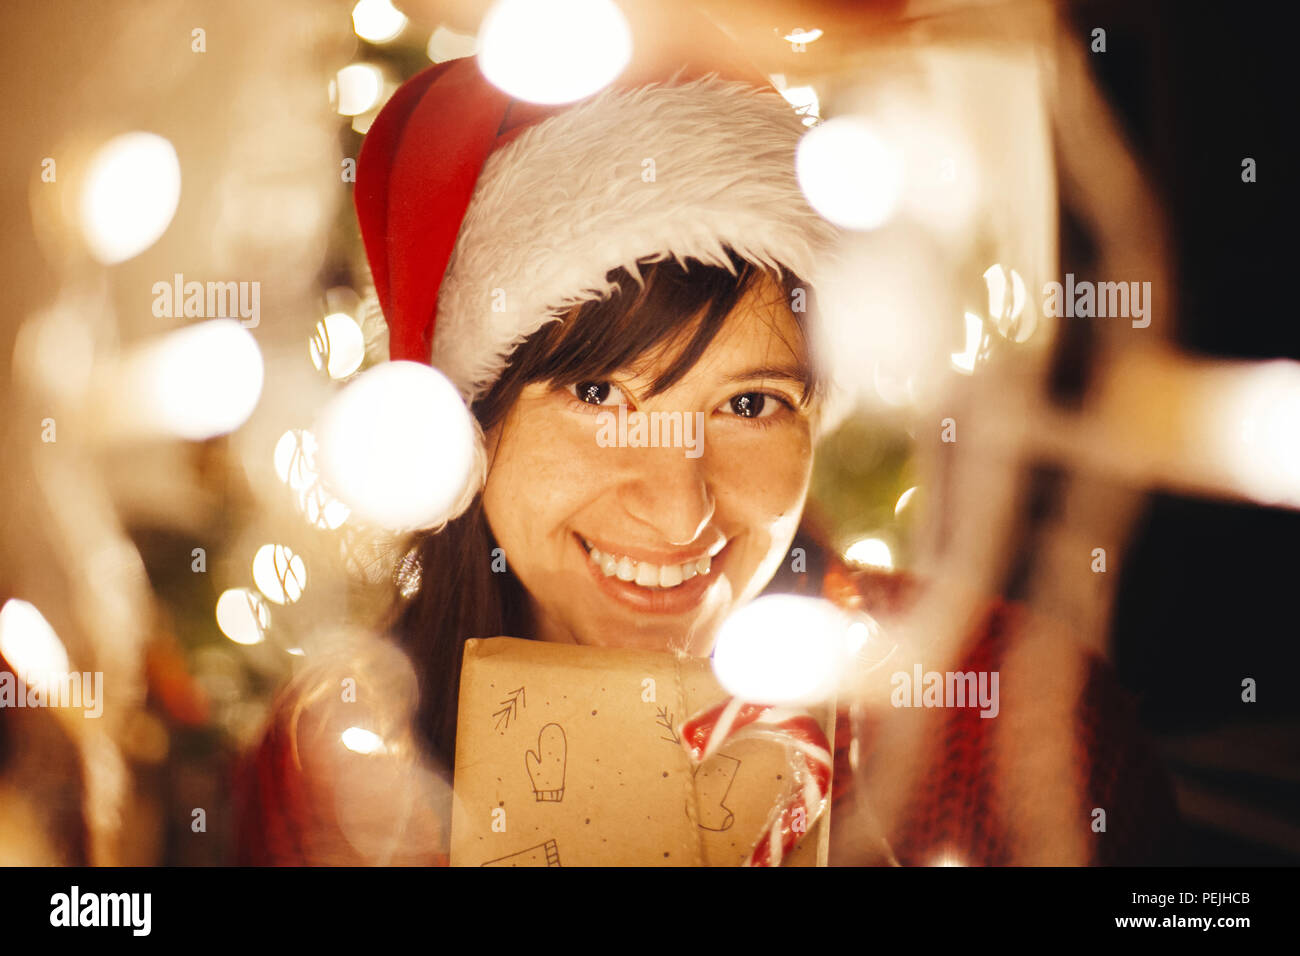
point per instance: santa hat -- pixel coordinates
(484, 218)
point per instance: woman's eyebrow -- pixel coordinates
(781, 372)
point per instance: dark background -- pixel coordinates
(1209, 592)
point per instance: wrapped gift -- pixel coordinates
(596, 756)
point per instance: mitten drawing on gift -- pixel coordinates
(546, 764)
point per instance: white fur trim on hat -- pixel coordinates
(572, 198)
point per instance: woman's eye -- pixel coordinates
(596, 393)
(754, 405)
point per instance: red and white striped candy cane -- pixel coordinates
(734, 719)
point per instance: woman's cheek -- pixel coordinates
(762, 481)
(762, 471)
(548, 460)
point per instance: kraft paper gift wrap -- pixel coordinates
(570, 756)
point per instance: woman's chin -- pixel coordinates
(692, 636)
(692, 644)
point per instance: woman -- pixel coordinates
(527, 254)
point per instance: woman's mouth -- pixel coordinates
(673, 587)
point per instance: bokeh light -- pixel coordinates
(782, 649)
(362, 741)
(279, 573)
(243, 616)
(1254, 430)
(446, 44)
(849, 173)
(295, 464)
(870, 552)
(378, 21)
(357, 89)
(294, 459)
(30, 646)
(553, 51)
(398, 446)
(198, 382)
(131, 192)
(338, 345)
(320, 509)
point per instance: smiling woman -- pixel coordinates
(622, 292)
(636, 547)
(643, 255)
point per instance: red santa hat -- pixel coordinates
(484, 217)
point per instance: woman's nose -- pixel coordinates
(669, 492)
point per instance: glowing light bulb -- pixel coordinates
(321, 509)
(30, 646)
(197, 382)
(338, 345)
(362, 741)
(295, 459)
(782, 649)
(295, 464)
(130, 195)
(871, 552)
(1253, 424)
(849, 173)
(243, 616)
(377, 21)
(399, 447)
(279, 573)
(358, 88)
(553, 51)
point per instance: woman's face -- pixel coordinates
(621, 544)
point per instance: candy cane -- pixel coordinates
(734, 719)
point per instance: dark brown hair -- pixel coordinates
(680, 305)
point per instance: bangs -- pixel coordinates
(673, 311)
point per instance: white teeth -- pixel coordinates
(646, 574)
